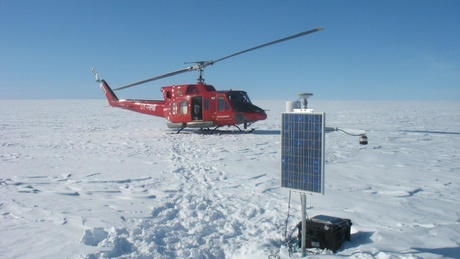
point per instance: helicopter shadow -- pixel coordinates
(431, 132)
(266, 132)
(226, 132)
(449, 252)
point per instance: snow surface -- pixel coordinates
(80, 179)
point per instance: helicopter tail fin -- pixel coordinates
(109, 94)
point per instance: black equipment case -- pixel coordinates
(325, 232)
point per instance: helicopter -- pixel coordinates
(197, 105)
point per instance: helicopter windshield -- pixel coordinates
(237, 98)
(240, 102)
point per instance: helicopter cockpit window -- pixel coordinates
(238, 98)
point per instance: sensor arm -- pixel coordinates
(358, 133)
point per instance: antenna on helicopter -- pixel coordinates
(200, 65)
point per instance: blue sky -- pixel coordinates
(369, 50)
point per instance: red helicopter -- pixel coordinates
(196, 105)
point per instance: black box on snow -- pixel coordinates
(325, 232)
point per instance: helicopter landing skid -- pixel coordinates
(215, 130)
(220, 132)
(239, 131)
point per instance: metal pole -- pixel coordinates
(303, 199)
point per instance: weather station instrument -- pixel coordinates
(302, 154)
(302, 170)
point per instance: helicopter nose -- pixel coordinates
(255, 116)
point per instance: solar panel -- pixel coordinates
(302, 151)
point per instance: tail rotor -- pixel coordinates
(95, 75)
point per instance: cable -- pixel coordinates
(288, 238)
(290, 246)
(287, 218)
(354, 135)
(274, 256)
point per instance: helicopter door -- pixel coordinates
(223, 113)
(197, 110)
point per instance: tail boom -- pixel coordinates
(150, 107)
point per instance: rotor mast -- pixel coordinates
(200, 65)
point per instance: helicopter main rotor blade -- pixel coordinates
(200, 65)
(264, 45)
(157, 77)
